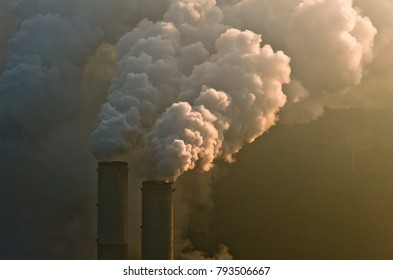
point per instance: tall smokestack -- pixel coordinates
(112, 210)
(157, 220)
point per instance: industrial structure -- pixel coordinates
(157, 220)
(112, 206)
(112, 211)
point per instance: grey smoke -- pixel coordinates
(47, 112)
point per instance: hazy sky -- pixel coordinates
(274, 116)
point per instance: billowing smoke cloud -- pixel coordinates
(43, 73)
(189, 90)
(330, 44)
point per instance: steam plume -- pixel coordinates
(189, 90)
(330, 44)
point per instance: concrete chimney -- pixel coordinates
(157, 220)
(112, 211)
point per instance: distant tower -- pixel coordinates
(112, 211)
(157, 220)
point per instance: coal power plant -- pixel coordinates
(112, 211)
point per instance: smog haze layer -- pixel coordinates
(273, 117)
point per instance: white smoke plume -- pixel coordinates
(190, 57)
(189, 90)
(330, 43)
